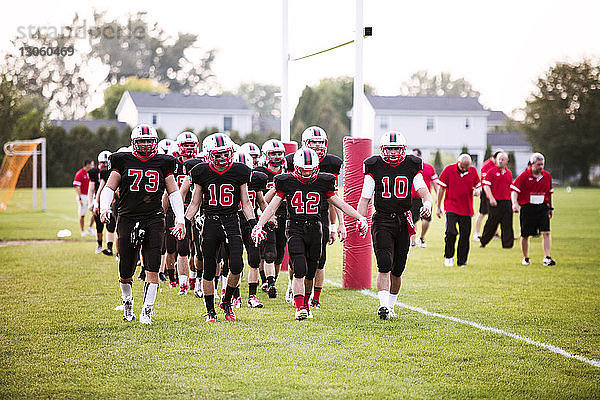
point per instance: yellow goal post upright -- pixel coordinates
(17, 153)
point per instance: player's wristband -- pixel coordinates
(177, 206)
(106, 198)
(332, 227)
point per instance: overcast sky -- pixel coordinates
(500, 47)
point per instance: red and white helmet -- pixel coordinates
(187, 144)
(392, 147)
(103, 156)
(315, 138)
(219, 149)
(306, 164)
(243, 158)
(144, 141)
(274, 152)
(164, 146)
(253, 150)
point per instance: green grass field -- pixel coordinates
(61, 338)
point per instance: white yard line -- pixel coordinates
(552, 348)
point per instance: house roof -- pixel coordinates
(425, 103)
(91, 124)
(496, 116)
(179, 100)
(507, 139)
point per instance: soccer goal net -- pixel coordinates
(17, 154)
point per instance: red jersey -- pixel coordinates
(531, 189)
(459, 189)
(82, 179)
(499, 180)
(428, 176)
(487, 165)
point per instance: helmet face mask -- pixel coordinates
(392, 148)
(274, 152)
(319, 146)
(315, 138)
(187, 144)
(220, 150)
(144, 141)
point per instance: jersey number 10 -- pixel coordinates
(400, 187)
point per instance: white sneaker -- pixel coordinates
(289, 294)
(98, 249)
(449, 262)
(383, 312)
(146, 316)
(254, 302)
(526, 261)
(476, 237)
(301, 314)
(128, 314)
(547, 261)
(422, 243)
(90, 231)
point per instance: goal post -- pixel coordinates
(17, 153)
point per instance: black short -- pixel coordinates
(304, 241)
(484, 204)
(415, 210)
(391, 242)
(534, 219)
(154, 229)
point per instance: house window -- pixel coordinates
(383, 123)
(467, 123)
(430, 123)
(227, 123)
(154, 119)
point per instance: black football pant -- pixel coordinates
(221, 230)
(154, 228)
(170, 242)
(252, 251)
(324, 241)
(391, 242)
(304, 241)
(464, 228)
(273, 250)
(501, 214)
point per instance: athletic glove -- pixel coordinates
(425, 211)
(199, 222)
(363, 226)
(258, 235)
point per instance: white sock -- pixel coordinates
(384, 296)
(150, 290)
(126, 290)
(192, 274)
(392, 298)
(198, 284)
(183, 280)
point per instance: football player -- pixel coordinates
(315, 138)
(141, 177)
(220, 185)
(103, 174)
(254, 152)
(273, 249)
(389, 178)
(307, 192)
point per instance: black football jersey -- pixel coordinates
(104, 174)
(392, 184)
(281, 211)
(258, 183)
(94, 174)
(142, 183)
(221, 193)
(305, 201)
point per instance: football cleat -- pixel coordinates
(254, 302)
(526, 261)
(183, 289)
(146, 316)
(173, 284)
(237, 302)
(264, 287)
(476, 237)
(392, 313)
(98, 249)
(422, 243)
(310, 314)
(199, 293)
(548, 261)
(315, 304)
(229, 314)
(383, 312)
(272, 291)
(108, 252)
(128, 314)
(289, 294)
(448, 262)
(211, 316)
(413, 244)
(301, 313)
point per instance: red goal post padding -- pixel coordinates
(357, 258)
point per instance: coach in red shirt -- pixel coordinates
(459, 182)
(484, 203)
(429, 176)
(496, 185)
(532, 195)
(81, 183)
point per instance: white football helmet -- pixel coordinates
(103, 156)
(187, 144)
(144, 141)
(315, 138)
(274, 152)
(164, 146)
(220, 150)
(243, 158)
(306, 164)
(253, 150)
(392, 147)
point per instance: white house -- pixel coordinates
(431, 123)
(173, 112)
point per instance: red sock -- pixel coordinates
(299, 301)
(316, 293)
(306, 300)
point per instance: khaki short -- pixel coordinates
(83, 207)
